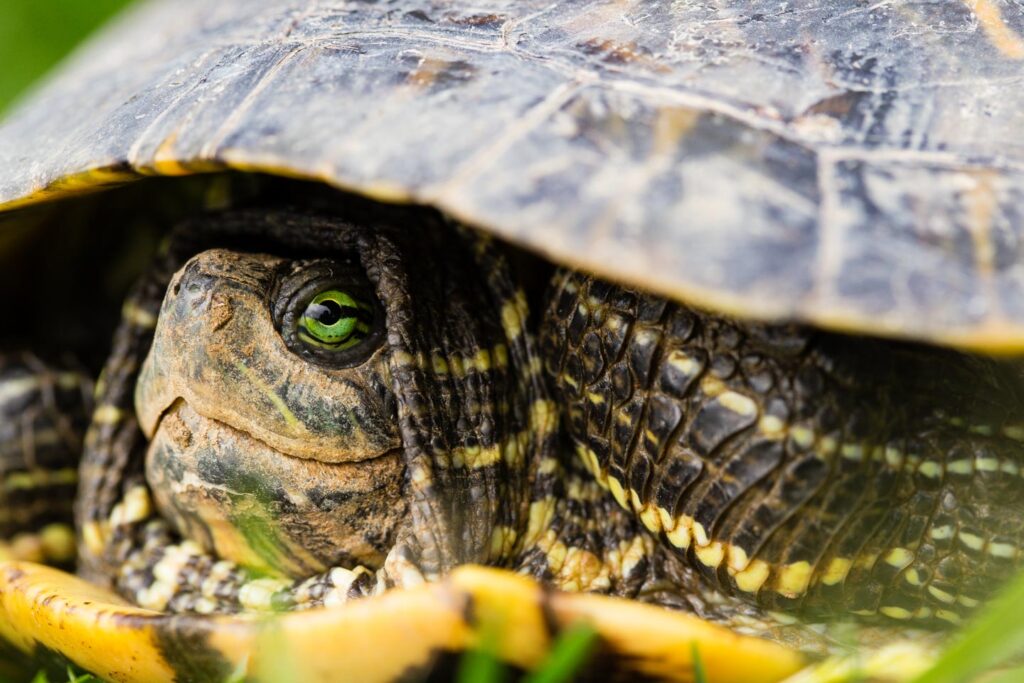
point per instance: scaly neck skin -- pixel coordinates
(578, 539)
(805, 472)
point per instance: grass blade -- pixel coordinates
(995, 635)
(568, 655)
(700, 675)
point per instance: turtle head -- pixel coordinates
(267, 400)
(334, 399)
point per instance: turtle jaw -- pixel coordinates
(244, 501)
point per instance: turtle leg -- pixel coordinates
(44, 408)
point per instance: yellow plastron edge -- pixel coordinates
(374, 639)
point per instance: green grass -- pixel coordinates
(993, 638)
(35, 34)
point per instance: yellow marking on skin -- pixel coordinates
(458, 366)
(651, 518)
(595, 399)
(896, 612)
(738, 403)
(566, 379)
(962, 467)
(852, 451)
(205, 606)
(968, 601)
(419, 476)
(912, 577)
(971, 540)
(700, 535)
(711, 555)
(513, 315)
(1015, 432)
(930, 469)
(500, 356)
(836, 572)
(540, 518)
(737, 557)
(502, 541)
(1004, 38)
(615, 486)
(438, 365)
(258, 593)
(633, 553)
(792, 579)
(16, 388)
(668, 522)
(984, 430)
(771, 426)
(92, 535)
(941, 595)
(986, 464)
(828, 446)
(893, 456)
(634, 499)
(802, 436)
(475, 457)
(582, 570)
(137, 316)
(680, 536)
(1004, 550)
(58, 542)
(867, 560)
(282, 408)
(549, 466)
(135, 506)
(753, 577)
(1011, 468)
(712, 386)
(544, 414)
(947, 615)
(107, 414)
(589, 460)
(38, 478)
(684, 364)
(403, 358)
(900, 558)
(941, 533)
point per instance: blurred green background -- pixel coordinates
(35, 34)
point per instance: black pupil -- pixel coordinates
(326, 312)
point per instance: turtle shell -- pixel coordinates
(852, 165)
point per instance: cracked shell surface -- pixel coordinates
(857, 166)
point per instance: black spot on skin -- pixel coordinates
(185, 646)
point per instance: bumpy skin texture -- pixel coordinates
(449, 415)
(44, 409)
(848, 163)
(799, 470)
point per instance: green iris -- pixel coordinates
(335, 320)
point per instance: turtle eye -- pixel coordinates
(335, 320)
(326, 312)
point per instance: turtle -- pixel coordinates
(771, 383)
